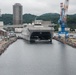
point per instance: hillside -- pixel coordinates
(28, 18)
(49, 17)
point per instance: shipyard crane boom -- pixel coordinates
(63, 18)
(66, 5)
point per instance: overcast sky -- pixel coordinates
(37, 7)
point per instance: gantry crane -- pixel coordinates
(63, 18)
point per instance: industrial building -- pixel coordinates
(1, 24)
(43, 23)
(17, 14)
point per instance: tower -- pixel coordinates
(17, 14)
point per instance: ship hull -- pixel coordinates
(37, 34)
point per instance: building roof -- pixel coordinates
(3, 30)
(1, 23)
(18, 4)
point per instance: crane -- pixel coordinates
(63, 18)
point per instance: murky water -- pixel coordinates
(22, 58)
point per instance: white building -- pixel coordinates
(18, 30)
(43, 23)
(66, 29)
(75, 30)
(1, 24)
(38, 22)
(46, 23)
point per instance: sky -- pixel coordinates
(37, 7)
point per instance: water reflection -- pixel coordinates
(23, 58)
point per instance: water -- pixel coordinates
(22, 58)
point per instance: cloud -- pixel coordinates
(37, 7)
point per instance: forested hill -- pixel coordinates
(8, 18)
(28, 18)
(49, 17)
